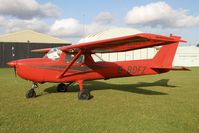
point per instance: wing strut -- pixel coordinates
(71, 63)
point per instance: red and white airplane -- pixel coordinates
(74, 63)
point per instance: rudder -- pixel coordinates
(164, 57)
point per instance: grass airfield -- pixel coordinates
(152, 104)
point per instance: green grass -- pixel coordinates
(135, 104)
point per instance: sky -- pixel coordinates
(74, 19)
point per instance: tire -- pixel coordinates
(84, 95)
(61, 88)
(31, 93)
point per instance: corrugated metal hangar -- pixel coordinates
(187, 56)
(19, 45)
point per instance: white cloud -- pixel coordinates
(12, 25)
(2, 21)
(95, 27)
(49, 10)
(104, 18)
(160, 14)
(18, 15)
(63, 28)
(26, 9)
(70, 27)
(66, 27)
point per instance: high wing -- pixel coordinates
(125, 43)
(119, 44)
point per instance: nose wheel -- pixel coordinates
(31, 93)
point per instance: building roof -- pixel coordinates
(31, 37)
(110, 33)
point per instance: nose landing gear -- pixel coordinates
(31, 93)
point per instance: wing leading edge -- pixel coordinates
(126, 43)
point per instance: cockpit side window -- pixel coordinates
(53, 54)
(69, 57)
(97, 58)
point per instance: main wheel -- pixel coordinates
(30, 93)
(61, 88)
(84, 94)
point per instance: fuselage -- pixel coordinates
(47, 70)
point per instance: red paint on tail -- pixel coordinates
(163, 60)
(164, 57)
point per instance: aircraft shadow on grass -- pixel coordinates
(133, 88)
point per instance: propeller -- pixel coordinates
(15, 71)
(14, 65)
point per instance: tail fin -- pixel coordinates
(164, 57)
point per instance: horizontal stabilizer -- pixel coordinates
(174, 69)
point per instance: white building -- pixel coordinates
(185, 55)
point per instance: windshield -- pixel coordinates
(53, 54)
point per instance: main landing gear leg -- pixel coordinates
(83, 94)
(31, 93)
